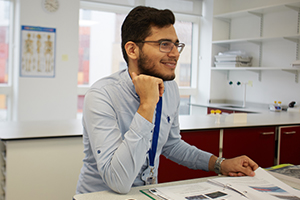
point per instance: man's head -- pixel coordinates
(143, 30)
(138, 23)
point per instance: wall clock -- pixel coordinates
(50, 5)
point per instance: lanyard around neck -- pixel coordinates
(152, 151)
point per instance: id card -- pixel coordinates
(150, 180)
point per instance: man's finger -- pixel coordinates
(133, 75)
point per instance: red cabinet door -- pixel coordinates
(205, 140)
(257, 143)
(289, 145)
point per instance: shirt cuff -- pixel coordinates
(203, 161)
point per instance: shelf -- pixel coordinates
(293, 38)
(258, 70)
(255, 68)
(261, 39)
(258, 11)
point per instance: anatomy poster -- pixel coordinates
(37, 52)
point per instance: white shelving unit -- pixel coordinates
(259, 38)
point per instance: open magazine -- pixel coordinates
(261, 186)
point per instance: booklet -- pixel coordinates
(261, 186)
(286, 169)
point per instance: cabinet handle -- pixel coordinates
(267, 133)
(290, 132)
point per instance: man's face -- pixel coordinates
(155, 63)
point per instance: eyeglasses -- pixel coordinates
(167, 46)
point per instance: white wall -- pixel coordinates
(48, 98)
(56, 98)
(204, 73)
(274, 85)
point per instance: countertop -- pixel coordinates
(40, 129)
(249, 107)
(73, 128)
(193, 122)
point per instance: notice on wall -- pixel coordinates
(37, 57)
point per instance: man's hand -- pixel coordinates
(149, 89)
(238, 166)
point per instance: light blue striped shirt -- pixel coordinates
(117, 139)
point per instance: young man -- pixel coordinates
(131, 117)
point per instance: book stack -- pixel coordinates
(233, 59)
(296, 64)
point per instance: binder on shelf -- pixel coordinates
(296, 64)
(233, 59)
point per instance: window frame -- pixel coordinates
(191, 90)
(7, 89)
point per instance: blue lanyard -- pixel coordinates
(152, 151)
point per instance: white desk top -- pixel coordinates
(135, 193)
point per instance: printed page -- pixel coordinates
(261, 186)
(195, 191)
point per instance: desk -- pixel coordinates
(135, 193)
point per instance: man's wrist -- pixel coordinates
(217, 166)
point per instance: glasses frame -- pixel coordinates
(178, 45)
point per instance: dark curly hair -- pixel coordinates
(137, 25)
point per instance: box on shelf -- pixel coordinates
(296, 64)
(233, 64)
(233, 59)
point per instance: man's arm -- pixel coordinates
(119, 160)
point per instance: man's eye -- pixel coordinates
(166, 44)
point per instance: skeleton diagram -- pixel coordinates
(28, 54)
(38, 50)
(48, 54)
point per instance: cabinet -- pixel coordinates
(207, 140)
(40, 168)
(288, 145)
(257, 143)
(269, 34)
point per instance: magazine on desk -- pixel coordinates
(262, 186)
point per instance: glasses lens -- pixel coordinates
(166, 46)
(180, 47)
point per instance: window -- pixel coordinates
(100, 49)
(99, 56)
(4, 57)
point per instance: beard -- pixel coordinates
(146, 67)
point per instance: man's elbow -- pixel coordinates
(122, 189)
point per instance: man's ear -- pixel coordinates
(132, 50)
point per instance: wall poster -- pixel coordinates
(37, 52)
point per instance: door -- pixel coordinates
(289, 145)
